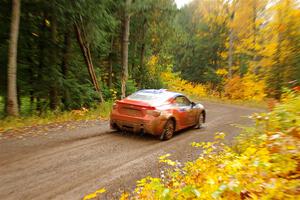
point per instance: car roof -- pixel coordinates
(160, 91)
(154, 97)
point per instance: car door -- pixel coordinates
(182, 111)
(191, 112)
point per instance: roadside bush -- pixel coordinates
(248, 87)
(173, 82)
(101, 111)
(266, 165)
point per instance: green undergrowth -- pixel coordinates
(101, 111)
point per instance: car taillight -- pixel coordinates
(154, 113)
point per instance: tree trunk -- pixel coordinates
(38, 105)
(125, 48)
(255, 56)
(278, 67)
(81, 38)
(31, 80)
(53, 93)
(12, 102)
(65, 67)
(31, 95)
(53, 97)
(110, 71)
(230, 54)
(110, 60)
(230, 51)
(142, 55)
(133, 66)
(42, 64)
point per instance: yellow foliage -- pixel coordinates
(221, 72)
(94, 194)
(248, 87)
(124, 196)
(245, 88)
(152, 65)
(163, 159)
(173, 82)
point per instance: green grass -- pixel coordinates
(26, 107)
(102, 111)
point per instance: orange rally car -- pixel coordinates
(156, 112)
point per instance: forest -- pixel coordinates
(63, 55)
(63, 63)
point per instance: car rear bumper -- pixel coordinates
(151, 125)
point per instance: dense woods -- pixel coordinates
(73, 54)
(69, 60)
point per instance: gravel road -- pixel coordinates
(68, 164)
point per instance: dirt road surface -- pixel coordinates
(68, 164)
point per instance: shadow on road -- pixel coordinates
(145, 136)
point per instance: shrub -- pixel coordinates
(248, 87)
(173, 82)
(101, 111)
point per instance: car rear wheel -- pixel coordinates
(200, 121)
(115, 127)
(168, 130)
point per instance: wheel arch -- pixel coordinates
(174, 120)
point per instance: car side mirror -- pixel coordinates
(193, 104)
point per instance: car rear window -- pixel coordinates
(152, 98)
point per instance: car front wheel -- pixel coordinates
(200, 121)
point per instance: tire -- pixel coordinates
(115, 127)
(168, 130)
(200, 121)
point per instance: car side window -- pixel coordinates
(182, 101)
